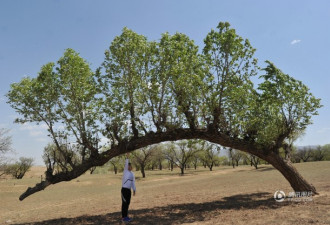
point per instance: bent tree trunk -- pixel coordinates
(297, 182)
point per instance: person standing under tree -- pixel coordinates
(128, 183)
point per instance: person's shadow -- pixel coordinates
(176, 213)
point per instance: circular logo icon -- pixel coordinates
(279, 196)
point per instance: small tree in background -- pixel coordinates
(318, 154)
(168, 152)
(195, 160)
(235, 156)
(305, 154)
(157, 157)
(18, 169)
(5, 147)
(326, 149)
(116, 162)
(209, 154)
(180, 153)
(255, 161)
(5, 141)
(143, 157)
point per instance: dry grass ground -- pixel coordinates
(225, 196)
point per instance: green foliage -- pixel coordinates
(326, 149)
(146, 87)
(209, 154)
(311, 153)
(181, 153)
(223, 160)
(230, 96)
(143, 157)
(150, 80)
(117, 163)
(18, 169)
(286, 106)
(65, 94)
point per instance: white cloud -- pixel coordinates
(34, 130)
(296, 41)
(323, 130)
(43, 140)
(36, 133)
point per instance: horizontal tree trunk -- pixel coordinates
(297, 182)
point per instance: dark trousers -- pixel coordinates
(125, 200)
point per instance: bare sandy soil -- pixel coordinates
(225, 196)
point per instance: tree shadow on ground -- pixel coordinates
(262, 169)
(177, 213)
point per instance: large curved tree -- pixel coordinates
(147, 92)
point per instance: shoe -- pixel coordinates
(127, 219)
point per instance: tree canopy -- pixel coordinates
(146, 92)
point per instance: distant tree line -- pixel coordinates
(184, 155)
(192, 154)
(311, 153)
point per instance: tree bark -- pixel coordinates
(233, 163)
(182, 170)
(142, 171)
(160, 165)
(297, 182)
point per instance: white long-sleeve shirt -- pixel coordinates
(128, 177)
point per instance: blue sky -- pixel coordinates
(295, 35)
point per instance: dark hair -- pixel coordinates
(129, 164)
